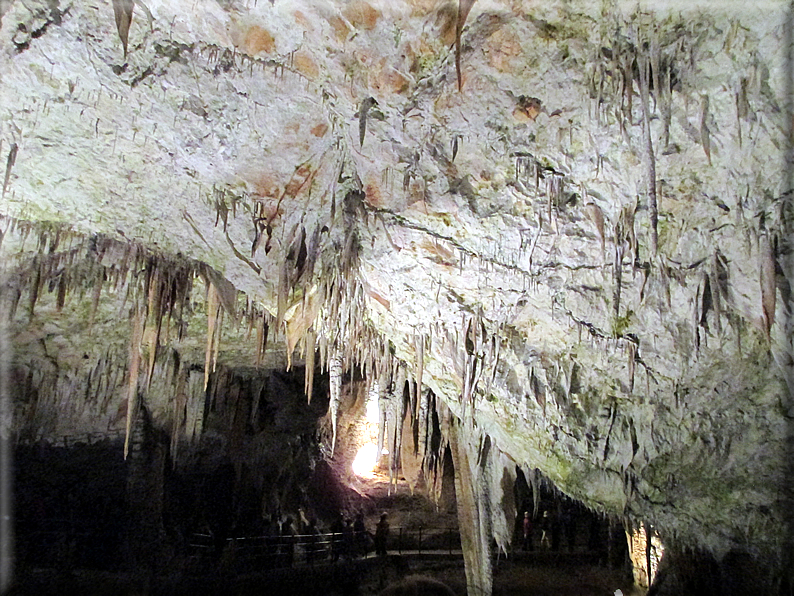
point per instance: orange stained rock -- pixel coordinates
(446, 22)
(528, 108)
(416, 194)
(437, 252)
(320, 129)
(521, 114)
(374, 195)
(264, 184)
(379, 298)
(422, 7)
(305, 64)
(504, 51)
(298, 180)
(258, 40)
(341, 30)
(301, 20)
(361, 15)
(389, 79)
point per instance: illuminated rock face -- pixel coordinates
(584, 250)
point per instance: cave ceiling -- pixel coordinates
(575, 240)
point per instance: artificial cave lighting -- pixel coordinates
(373, 414)
(366, 459)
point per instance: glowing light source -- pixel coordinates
(365, 461)
(373, 415)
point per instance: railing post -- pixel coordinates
(400, 542)
(420, 540)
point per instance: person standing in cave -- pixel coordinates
(381, 534)
(348, 539)
(337, 528)
(527, 529)
(288, 541)
(545, 528)
(360, 530)
(312, 535)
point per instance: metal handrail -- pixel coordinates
(274, 551)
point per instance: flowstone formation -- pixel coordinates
(572, 233)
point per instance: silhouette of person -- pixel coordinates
(348, 539)
(360, 530)
(288, 541)
(527, 530)
(545, 527)
(337, 529)
(312, 535)
(381, 534)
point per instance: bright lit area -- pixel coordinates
(366, 459)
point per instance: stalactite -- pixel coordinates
(97, 293)
(631, 349)
(397, 415)
(135, 361)
(420, 368)
(618, 267)
(217, 338)
(154, 320)
(213, 307)
(436, 443)
(180, 414)
(383, 380)
(534, 483)
(650, 155)
(597, 216)
(423, 400)
(35, 286)
(705, 133)
(768, 282)
(410, 459)
(309, 368)
(261, 339)
(335, 374)
(496, 344)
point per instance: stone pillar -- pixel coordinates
(643, 554)
(474, 519)
(145, 478)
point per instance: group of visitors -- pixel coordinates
(345, 538)
(553, 524)
(349, 538)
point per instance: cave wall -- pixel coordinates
(581, 241)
